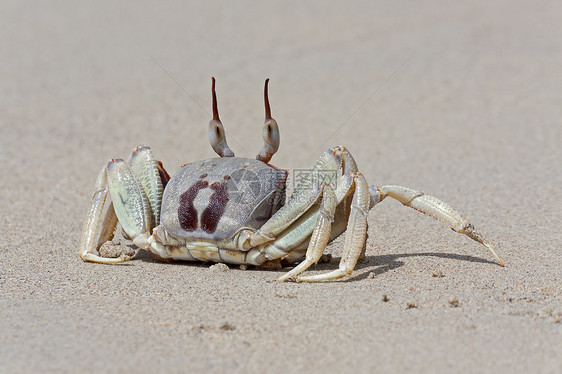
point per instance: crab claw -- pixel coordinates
(270, 132)
(217, 135)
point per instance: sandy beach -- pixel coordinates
(462, 101)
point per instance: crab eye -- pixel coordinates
(270, 132)
(217, 135)
(218, 139)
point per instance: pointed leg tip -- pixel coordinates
(493, 251)
(288, 277)
(90, 257)
(336, 274)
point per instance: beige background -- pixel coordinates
(464, 103)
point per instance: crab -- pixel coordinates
(232, 209)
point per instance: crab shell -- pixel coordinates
(213, 199)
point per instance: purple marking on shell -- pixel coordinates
(187, 214)
(214, 211)
(203, 176)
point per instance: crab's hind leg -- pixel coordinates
(435, 208)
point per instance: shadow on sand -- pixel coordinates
(378, 264)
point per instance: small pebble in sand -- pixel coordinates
(220, 267)
(371, 275)
(286, 295)
(385, 298)
(243, 267)
(227, 327)
(411, 305)
(437, 274)
(454, 302)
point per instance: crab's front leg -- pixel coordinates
(310, 214)
(355, 235)
(334, 166)
(135, 188)
(320, 236)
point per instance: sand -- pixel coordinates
(462, 101)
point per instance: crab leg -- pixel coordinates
(146, 171)
(135, 188)
(130, 202)
(293, 240)
(108, 225)
(355, 234)
(435, 208)
(90, 244)
(303, 197)
(320, 235)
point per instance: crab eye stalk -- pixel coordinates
(270, 132)
(217, 135)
